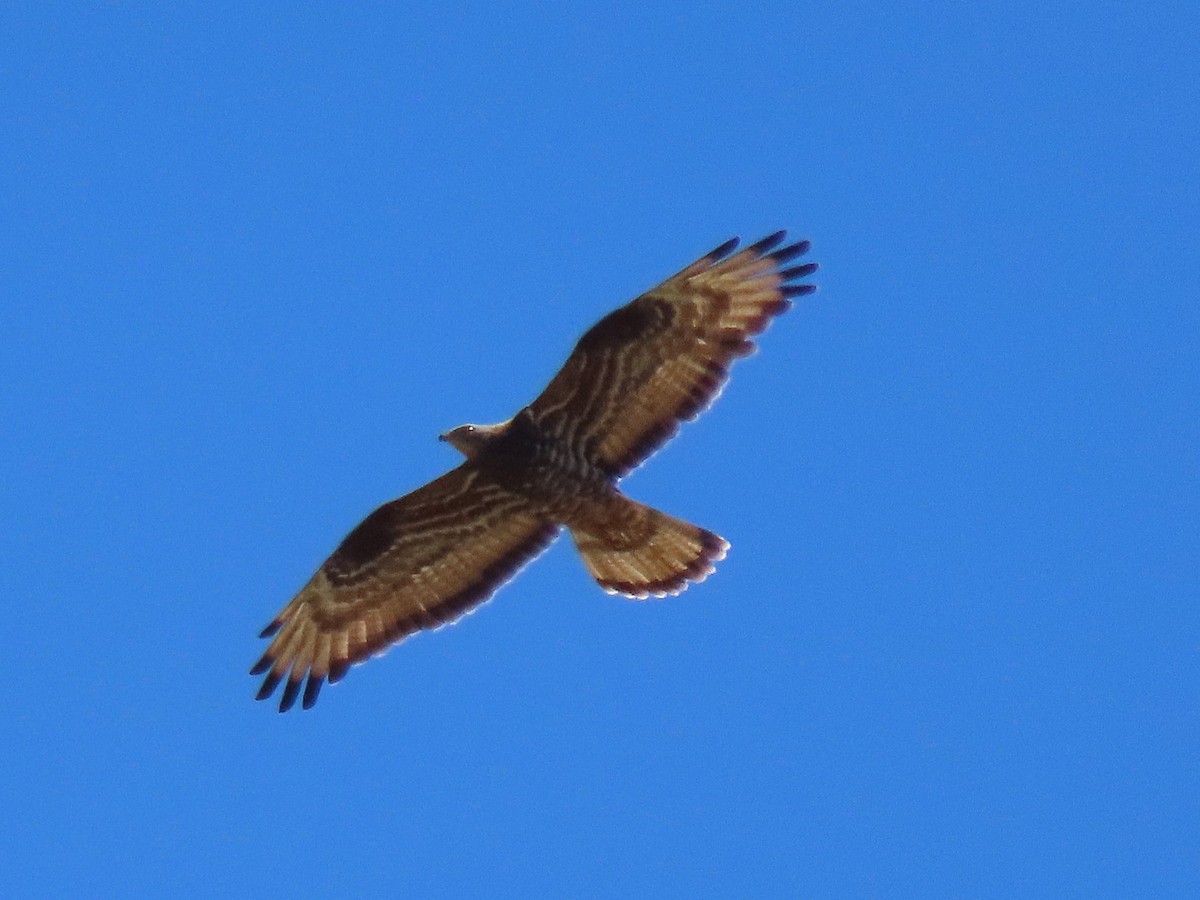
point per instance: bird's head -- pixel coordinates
(470, 439)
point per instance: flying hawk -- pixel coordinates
(424, 560)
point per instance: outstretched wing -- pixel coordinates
(417, 562)
(662, 359)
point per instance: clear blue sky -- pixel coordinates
(257, 256)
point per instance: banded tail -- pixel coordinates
(646, 553)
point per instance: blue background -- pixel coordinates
(257, 256)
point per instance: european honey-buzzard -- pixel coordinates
(429, 557)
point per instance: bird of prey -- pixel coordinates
(426, 559)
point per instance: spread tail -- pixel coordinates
(642, 552)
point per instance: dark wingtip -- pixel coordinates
(724, 250)
(271, 628)
(262, 665)
(797, 290)
(768, 243)
(311, 690)
(268, 686)
(798, 271)
(337, 670)
(290, 691)
(791, 251)
(791, 274)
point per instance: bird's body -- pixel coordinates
(423, 560)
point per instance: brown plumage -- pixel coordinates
(429, 557)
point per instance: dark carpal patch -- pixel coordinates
(361, 547)
(634, 321)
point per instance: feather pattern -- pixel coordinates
(418, 562)
(663, 358)
(426, 559)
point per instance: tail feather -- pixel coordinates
(650, 554)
